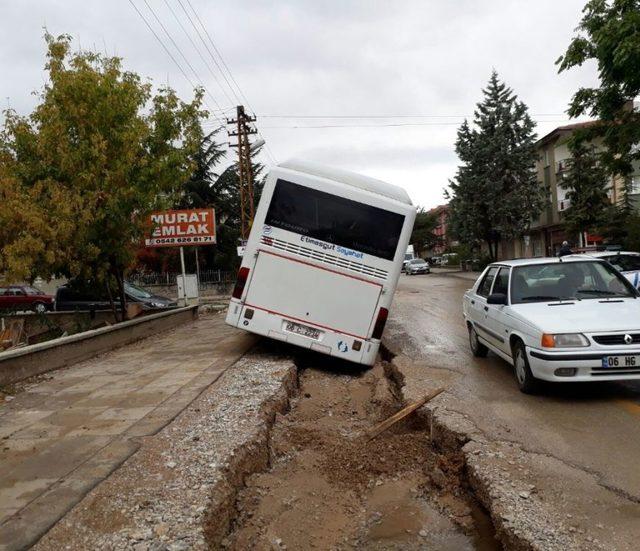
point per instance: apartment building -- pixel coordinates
(547, 233)
(443, 242)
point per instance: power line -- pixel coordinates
(403, 116)
(168, 51)
(182, 54)
(392, 125)
(237, 99)
(195, 13)
(219, 55)
(195, 47)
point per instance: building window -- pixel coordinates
(546, 157)
(635, 185)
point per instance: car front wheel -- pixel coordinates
(40, 307)
(478, 349)
(527, 383)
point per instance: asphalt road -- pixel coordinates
(594, 427)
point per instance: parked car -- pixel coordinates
(627, 263)
(417, 266)
(76, 297)
(570, 319)
(25, 297)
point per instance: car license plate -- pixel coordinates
(620, 361)
(303, 330)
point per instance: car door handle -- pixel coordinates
(486, 308)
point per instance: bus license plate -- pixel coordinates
(620, 361)
(303, 330)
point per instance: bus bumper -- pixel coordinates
(332, 343)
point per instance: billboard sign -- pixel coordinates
(180, 228)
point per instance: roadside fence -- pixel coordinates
(209, 279)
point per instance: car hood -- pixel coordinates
(584, 316)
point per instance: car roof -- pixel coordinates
(600, 254)
(545, 260)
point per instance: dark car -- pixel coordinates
(24, 297)
(75, 297)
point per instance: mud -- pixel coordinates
(329, 487)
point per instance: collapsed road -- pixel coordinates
(329, 486)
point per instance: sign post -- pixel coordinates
(179, 228)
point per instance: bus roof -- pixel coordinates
(350, 178)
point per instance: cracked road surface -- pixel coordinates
(591, 427)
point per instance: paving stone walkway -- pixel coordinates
(60, 437)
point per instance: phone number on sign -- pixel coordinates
(180, 240)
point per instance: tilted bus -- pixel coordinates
(323, 260)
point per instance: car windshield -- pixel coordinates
(417, 261)
(567, 280)
(135, 291)
(624, 262)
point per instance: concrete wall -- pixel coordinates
(18, 364)
(41, 327)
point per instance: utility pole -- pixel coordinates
(245, 168)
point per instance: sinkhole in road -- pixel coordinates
(328, 487)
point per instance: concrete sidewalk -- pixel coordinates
(62, 436)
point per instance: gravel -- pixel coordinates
(178, 491)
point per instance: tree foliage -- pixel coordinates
(586, 182)
(609, 34)
(422, 237)
(81, 173)
(495, 194)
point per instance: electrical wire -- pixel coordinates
(195, 47)
(175, 45)
(403, 116)
(195, 13)
(392, 125)
(144, 19)
(232, 100)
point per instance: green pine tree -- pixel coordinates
(495, 194)
(586, 182)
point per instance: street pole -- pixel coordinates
(198, 268)
(245, 169)
(184, 278)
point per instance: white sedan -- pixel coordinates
(627, 263)
(556, 319)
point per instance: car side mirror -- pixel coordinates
(497, 298)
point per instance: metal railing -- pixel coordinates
(168, 279)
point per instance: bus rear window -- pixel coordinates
(334, 219)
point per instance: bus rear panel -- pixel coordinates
(321, 264)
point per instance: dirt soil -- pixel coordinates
(329, 487)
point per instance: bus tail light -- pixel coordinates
(241, 281)
(378, 328)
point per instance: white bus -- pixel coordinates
(322, 260)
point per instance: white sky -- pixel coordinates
(312, 57)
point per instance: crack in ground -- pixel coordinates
(327, 486)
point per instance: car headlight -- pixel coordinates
(564, 340)
(157, 304)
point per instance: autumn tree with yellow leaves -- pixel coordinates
(81, 173)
